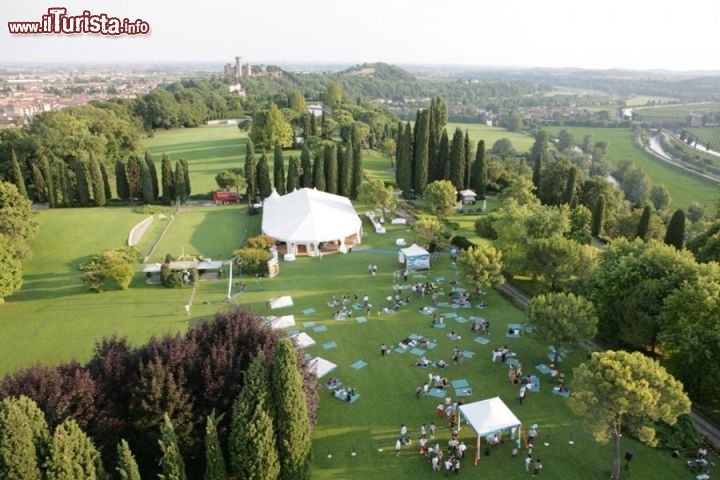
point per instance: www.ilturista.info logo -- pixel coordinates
(57, 21)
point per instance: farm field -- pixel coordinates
(707, 136)
(477, 131)
(684, 188)
(675, 112)
(644, 100)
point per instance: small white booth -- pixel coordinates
(414, 257)
(280, 302)
(320, 367)
(467, 197)
(488, 417)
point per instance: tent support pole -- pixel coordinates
(477, 450)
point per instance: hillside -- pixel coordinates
(382, 71)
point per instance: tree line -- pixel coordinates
(17, 228)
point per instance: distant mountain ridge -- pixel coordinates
(382, 71)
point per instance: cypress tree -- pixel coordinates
(83, 185)
(121, 181)
(39, 185)
(134, 176)
(319, 173)
(598, 217)
(433, 141)
(675, 234)
(644, 224)
(478, 180)
(306, 178)
(420, 167)
(250, 171)
(313, 124)
(186, 175)
(180, 187)
(127, 468)
(293, 176)
(72, 454)
(457, 160)
(467, 149)
(323, 125)
(399, 146)
(66, 185)
(106, 182)
(404, 165)
(17, 175)
(98, 186)
(537, 171)
(153, 174)
(50, 183)
(443, 157)
(168, 180)
(357, 170)
(279, 169)
(331, 167)
(171, 462)
(253, 448)
(569, 193)
(346, 171)
(147, 185)
(263, 177)
(291, 416)
(23, 439)
(214, 461)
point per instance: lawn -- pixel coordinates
(684, 188)
(478, 131)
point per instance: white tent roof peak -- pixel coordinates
(274, 194)
(488, 416)
(468, 193)
(310, 216)
(414, 250)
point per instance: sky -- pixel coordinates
(634, 34)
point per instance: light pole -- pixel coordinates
(238, 260)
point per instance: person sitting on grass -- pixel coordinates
(441, 364)
(422, 362)
(454, 336)
(333, 382)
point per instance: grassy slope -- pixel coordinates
(520, 141)
(683, 188)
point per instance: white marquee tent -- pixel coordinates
(321, 367)
(280, 302)
(414, 257)
(489, 416)
(305, 218)
(303, 340)
(277, 323)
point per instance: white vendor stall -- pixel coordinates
(414, 257)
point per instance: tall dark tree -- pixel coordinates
(467, 149)
(569, 192)
(398, 144)
(346, 170)
(72, 454)
(105, 181)
(537, 171)
(291, 416)
(443, 157)
(263, 177)
(420, 150)
(433, 142)
(17, 175)
(153, 174)
(168, 180)
(50, 181)
(279, 169)
(403, 165)
(214, 462)
(644, 223)
(319, 172)
(313, 124)
(98, 186)
(180, 186)
(147, 185)
(330, 162)
(540, 146)
(479, 177)
(457, 160)
(134, 172)
(675, 234)
(357, 170)
(250, 171)
(186, 175)
(23, 439)
(83, 183)
(598, 217)
(67, 186)
(172, 464)
(127, 468)
(39, 185)
(306, 177)
(293, 175)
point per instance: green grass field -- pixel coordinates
(644, 100)
(477, 131)
(676, 112)
(684, 188)
(707, 136)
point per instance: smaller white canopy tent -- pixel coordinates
(488, 416)
(468, 197)
(277, 323)
(303, 340)
(280, 302)
(414, 257)
(321, 367)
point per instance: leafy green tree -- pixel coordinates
(388, 147)
(250, 171)
(539, 149)
(334, 94)
(442, 163)
(563, 320)
(479, 177)
(403, 165)
(171, 462)
(134, 176)
(168, 180)
(292, 425)
(331, 167)
(180, 186)
(127, 468)
(617, 390)
(519, 189)
(566, 140)
(660, 197)
(72, 455)
(319, 173)
(375, 194)
(675, 234)
(297, 102)
(706, 245)
(440, 197)
(214, 461)
(17, 175)
(457, 160)
(122, 187)
(263, 177)
(293, 176)
(598, 217)
(431, 234)
(558, 260)
(39, 185)
(306, 178)
(231, 178)
(269, 126)
(481, 267)
(153, 174)
(147, 184)
(358, 173)
(580, 225)
(279, 169)
(420, 152)
(644, 225)
(23, 439)
(636, 185)
(83, 185)
(17, 221)
(253, 447)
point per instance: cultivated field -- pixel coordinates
(520, 141)
(675, 112)
(707, 136)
